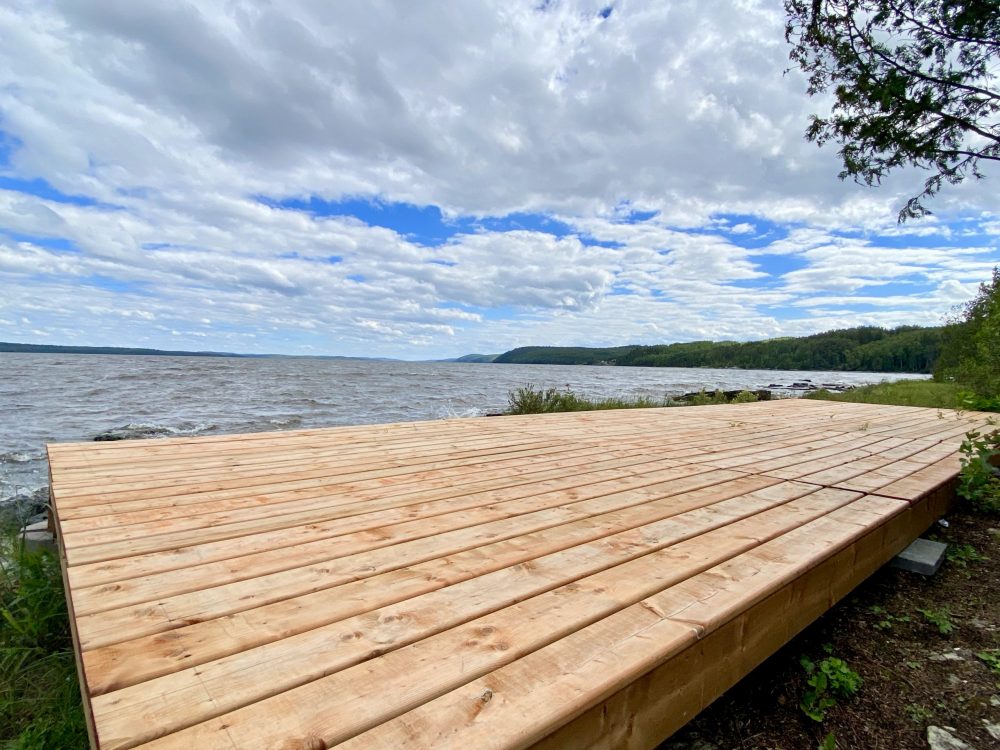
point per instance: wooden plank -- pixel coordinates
(122, 513)
(381, 524)
(486, 643)
(333, 507)
(916, 484)
(112, 502)
(666, 698)
(102, 628)
(559, 683)
(89, 574)
(495, 582)
(493, 474)
(522, 512)
(134, 661)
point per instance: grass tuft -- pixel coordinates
(901, 393)
(531, 400)
(40, 706)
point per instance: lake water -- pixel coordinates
(72, 397)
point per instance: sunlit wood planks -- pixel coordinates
(567, 580)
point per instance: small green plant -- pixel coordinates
(918, 714)
(962, 555)
(702, 398)
(991, 658)
(744, 397)
(828, 680)
(939, 618)
(887, 619)
(979, 479)
(829, 742)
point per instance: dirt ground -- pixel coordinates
(913, 675)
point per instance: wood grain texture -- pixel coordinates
(559, 580)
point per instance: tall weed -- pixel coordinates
(40, 706)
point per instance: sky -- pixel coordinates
(427, 180)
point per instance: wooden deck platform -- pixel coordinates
(585, 580)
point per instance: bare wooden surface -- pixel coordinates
(565, 580)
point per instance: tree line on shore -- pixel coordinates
(865, 348)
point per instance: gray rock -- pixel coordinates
(24, 507)
(954, 655)
(993, 729)
(39, 539)
(941, 739)
(133, 432)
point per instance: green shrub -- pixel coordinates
(971, 350)
(979, 478)
(531, 400)
(975, 402)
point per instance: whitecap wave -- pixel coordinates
(20, 457)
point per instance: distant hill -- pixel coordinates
(866, 348)
(476, 358)
(563, 355)
(6, 346)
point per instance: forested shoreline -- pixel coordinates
(863, 349)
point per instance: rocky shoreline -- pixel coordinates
(773, 390)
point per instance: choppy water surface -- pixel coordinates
(54, 397)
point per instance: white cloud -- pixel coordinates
(174, 117)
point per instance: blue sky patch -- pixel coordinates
(529, 222)
(776, 266)
(957, 239)
(112, 285)
(423, 225)
(625, 214)
(763, 234)
(60, 244)
(43, 189)
(8, 145)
